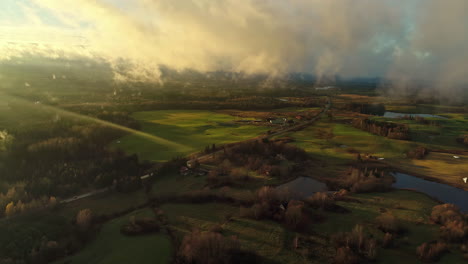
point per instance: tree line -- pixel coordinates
(384, 129)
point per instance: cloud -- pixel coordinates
(437, 50)
(402, 40)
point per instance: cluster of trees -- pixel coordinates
(431, 251)
(321, 200)
(454, 224)
(365, 180)
(61, 158)
(366, 108)
(274, 159)
(277, 205)
(210, 247)
(384, 129)
(19, 207)
(44, 241)
(454, 229)
(418, 153)
(389, 224)
(354, 247)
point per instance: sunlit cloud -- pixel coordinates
(401, 40)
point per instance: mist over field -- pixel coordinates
(402, 41)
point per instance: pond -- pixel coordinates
(398, 115)
(303, 187)
(442, 192)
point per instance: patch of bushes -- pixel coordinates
(388, 223)
(454, 231)
(362, 245)
(417, 153)
(388, 240)
(432, 251)
(344, 255)
(321, 200)
(140, 226)
(266, 158)
(267, 205)
(454, 224)
(212, 248)
(384, 129)
(364, 181)
(293, 215)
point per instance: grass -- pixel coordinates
(345, 136)
(107, 203)
(411, 208)
(441, 166)
(112, 247)
(268, 239)
(193, 129)
(175, 183)
(437, 137)
(334, 152)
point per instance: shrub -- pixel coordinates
(267, 194)
(239, 174)
(362, 181)
(418, 153)
(454, 231)
(387, 241)
(360, 243)
(370, 185)
(454, 224)
(445, 212)
(208, 247)
(344, 255)
(321, 200)
(431, 251)
(388, 223)
(140, 226)
(84, 219)
(293, 213)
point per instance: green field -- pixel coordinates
(114, 248)
(194, 130)
(442, 136)
(344, 137)
(411, 208)
(268, 239)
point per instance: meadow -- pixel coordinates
(110, 246)
(193, 130)
(412, 209)
(270, 240)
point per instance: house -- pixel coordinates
(192, 164)
(278, 121)
(184, 171)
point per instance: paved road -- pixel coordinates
(81, 196)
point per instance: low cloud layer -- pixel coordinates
(403, 40)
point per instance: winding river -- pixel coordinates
(442, 192)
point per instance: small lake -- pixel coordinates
(303, 187)
(442, 192)
(398, 115)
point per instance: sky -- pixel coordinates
(402, 40)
